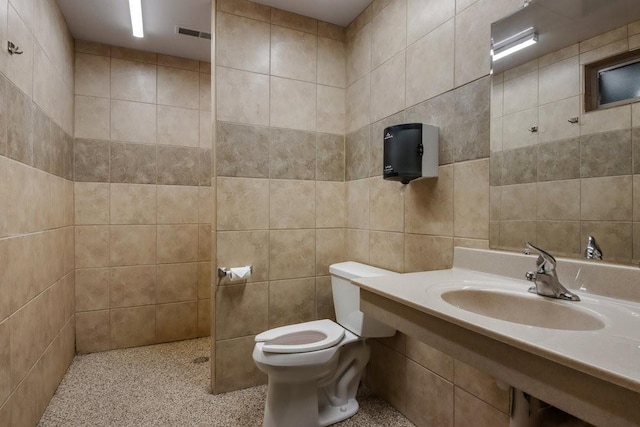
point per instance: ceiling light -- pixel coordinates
(514, 43)
(135, 10)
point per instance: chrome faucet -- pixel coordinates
(545, 277)
(593, 250)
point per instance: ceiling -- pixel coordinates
(108, 21)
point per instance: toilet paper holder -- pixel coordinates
(226, 271)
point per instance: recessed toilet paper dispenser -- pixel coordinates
(410, 152)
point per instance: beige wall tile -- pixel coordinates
(167, 329)
(291, 301)
(291, 254)
(242, 43)
(133, 122)
(358, 204)
(515, 131)
(386, 250)
(605, 120)
(519, 202)
(28, 337)
(242, 97)
(603, 39)
(234, 366)
(292, 104)
(560, 80)
(294, 21)
(388, 32)
(332, 31)
(20, 68)
(92, 331)
(429, 204)
(472, 47)
(324, 299)
(427, 78)
(386, 373)
(177, 243)
(429, 397)
(133, 327)
(330, 204)
(425, 16)
(93, 48)
(472, 411)
(177, 62)
(422, 253)
(132, 286)
(92, 246)
(358, 104)
(606, 199)
(133, 204)
(5, 358)
(91, 202)
(92, 75)
(179, 88)
(514, 234)
(388, 87)
(331, 62)
(243, 204)
(92, 289)
(559, 237)
(293, 54)
(205, 92)
(178, 126)
(432, 359)
(386, 205)
(358, 51)
(134, 55)
(133, 244)
(471, 199)
(292, 204)
(245, 8)
(177, 282)
(204, 318)
(615, 238)
(241, 310)
(331, 109)
(554, 119)
(240, 248)
(521, 93)
(357, 243)
(178, 204)
(91, 117)
(481, 385)
(330, 248)
(559, 200)
(133, 81)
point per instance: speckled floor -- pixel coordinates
(161, 386)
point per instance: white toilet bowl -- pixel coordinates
(314, 368)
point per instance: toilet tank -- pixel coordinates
(346, 299)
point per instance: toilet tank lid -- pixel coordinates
(352, 270)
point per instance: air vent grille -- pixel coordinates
(193, 33)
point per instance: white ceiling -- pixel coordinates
(108, 21)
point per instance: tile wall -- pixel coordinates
(143, 197)
(567, 181)
(37, 325)
(422, 61)
(280, 176)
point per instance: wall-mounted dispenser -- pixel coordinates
(410, 152)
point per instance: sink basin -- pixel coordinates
(526, 309)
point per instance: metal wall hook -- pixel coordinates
(573, 120)
(13, 49)
(533, 129)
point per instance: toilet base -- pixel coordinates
(329, 415)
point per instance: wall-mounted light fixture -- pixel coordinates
(514, 43)
(135, 10)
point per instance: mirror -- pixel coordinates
(559, 174)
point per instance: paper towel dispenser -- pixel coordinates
(410, 152)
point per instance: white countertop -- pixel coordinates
(611, 353)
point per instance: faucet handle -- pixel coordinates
(546, 263)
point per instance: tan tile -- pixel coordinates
(83, 46)
(205, 92)
(241, 309)
(559, 200)
(430, 358)
(358, 50)
(134, 55)
(559, 237)
(20, 68)
(520, 93)
(332, 31)
(471, 199)
(292, 104)
(292, 154)
(324, 299)
(133, 122)
(427, 78)
(242, 43)
(472, 32)
(5, 359)
(234, 366)
(177, 204)
(293, 54)
(429, 397)
(178, 88)
(331, 62)
(204, 242)
(91, 202)
(388, 32)
(331, 109)
(359, 22)
(386, 205)
(167, 329)
(425, 16)
(132, 244)
(92, 331)
(519, 202)
(330, 248)
(240, 248)
(481, 385)
(133, 81)
(387, 87)
(177, 62)
(606, 51)
(242, 203)
(606, 199)
(291, 301)
(204, 318)
(515, 129)
(472, 411)
(177, 243)
(133, 204)
(178, 126)
(514, 234)
(294, 21)
(605, 120)
(554, 118)
(204, 280)
(242, 97)
(603, 39)
(176, 282)
(424, 253)
(291, 254)
(358, 104)
(205, 204)
(91, 117)
(560, 80)
(92, 246)
(245, 8)
(358, 204)
(92, 75)
(330, 204)
(292, 204)
(470, 243)
(205, 135)
(386, 250)
(429, 204)
(92, 289)
(133, 327)
(357, 243)
(132, 286)
(386, 374)
(615, 238)
(29, 337)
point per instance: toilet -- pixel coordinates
(314, 368)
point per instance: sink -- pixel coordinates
(523, 308)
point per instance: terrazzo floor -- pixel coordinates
(161, 385)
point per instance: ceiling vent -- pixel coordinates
(193, 33)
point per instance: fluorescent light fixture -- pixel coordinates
(135, 10)
(514, 43)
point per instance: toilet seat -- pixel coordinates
(301, 337)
